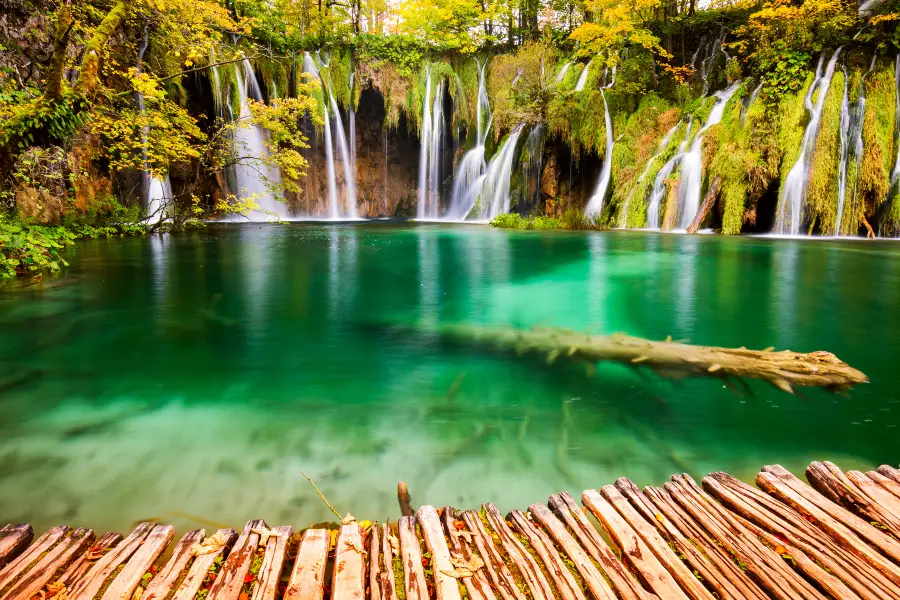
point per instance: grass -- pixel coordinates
(572, 219)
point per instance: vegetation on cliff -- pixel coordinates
(120, 90)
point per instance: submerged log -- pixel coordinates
(785, 369)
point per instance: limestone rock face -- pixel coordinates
(387, 165)
(550, 177)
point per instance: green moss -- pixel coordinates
(399, 582)
(879, 151)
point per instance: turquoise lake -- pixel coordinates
(193, 377)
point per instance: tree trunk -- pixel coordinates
(708, 201)
(56, 71)
(89, 79)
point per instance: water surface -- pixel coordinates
(193, 377)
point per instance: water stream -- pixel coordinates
(660, 189)
(691, 183)
(595, 203)
(663, 144)
(793, 190)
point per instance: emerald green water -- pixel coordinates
(197, 375)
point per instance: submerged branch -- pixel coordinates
(785, 370)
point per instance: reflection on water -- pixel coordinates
(197, 375)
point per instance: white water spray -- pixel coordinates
(595, 204)
(469, 176)
(429, 154)
(562, 72)
(254, 178)
(582, 79)
(659, 184)
(793, 191)
(493, 198)
(692, 163)
(663, 144)
(844, 154)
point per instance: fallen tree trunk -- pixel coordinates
(708, 201)
(785, 369)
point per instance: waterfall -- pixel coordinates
(663, 144)
(659, 184)
(692, 164)
(154, 191)
(493, 197)
(857, 117)
(582, 79)
(707, 64)
(562, 72)
(534, 147)
(309, 66)
(844, 155)
(351, 116)
(253, 177)
(349, 174)
(793, 191)
(430, 152)
(595, 204)
(334, 135)
(469, 174)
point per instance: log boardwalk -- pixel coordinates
(836, 537)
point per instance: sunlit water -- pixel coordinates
(193, 377)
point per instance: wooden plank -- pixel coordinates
(215, 547)
(890, 472)
(59, 557)
(717, 555)
(878, 495)
(123, 586)
(528, 568)
(556, 567)
(831, 482)
(411, 554)
(381, 564)
(13, 540)
(87, 587)
(231, 579)
(458, 536)
(624, 582)
(594, 580)
(446, 586)
(349, 580)
(81, 565)
(885, 482)
(307, 580)
(266, 585)
(717, 580)
(787, 526)
(675, 579)
(848, 530)
(167, 578)
(20, 564)
(501, 577)
(765, 566)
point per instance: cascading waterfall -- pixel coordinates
(254, 178)
(493, 197)
(534, 147)
(430, 153)
(309, 66)
(857, 118)
(351, 116)
(469, 176)
(595, 204)
(663, 144)
(793, 194)
(692, 163)
(334, 135)
(659, 184)
(582, 79)
(844, 153)
(562, 72)
(349, 173)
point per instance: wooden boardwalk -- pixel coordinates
(836, 538)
